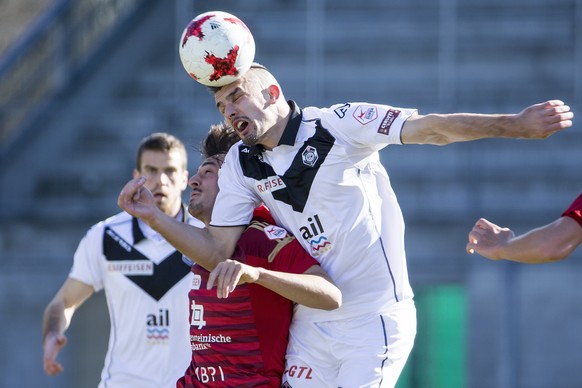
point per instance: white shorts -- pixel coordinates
(368, 351)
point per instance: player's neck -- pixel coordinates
(273, 136)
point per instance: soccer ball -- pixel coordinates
(216, 48)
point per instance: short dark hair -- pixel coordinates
(161, 142)
(219, 140)
(255, 65)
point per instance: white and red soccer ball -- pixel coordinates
(216, 48)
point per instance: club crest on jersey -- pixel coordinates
(365, 113)
(309, 156)
(275, 232)
(314, 234)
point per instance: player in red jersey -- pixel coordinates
(552, 242)
(238, 332)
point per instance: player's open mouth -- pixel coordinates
(240, 125)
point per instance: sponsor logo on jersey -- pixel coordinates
(314, 234)
(299, 372)
(154, 279)
(206, 374)
(365, 113)
(197, 311)
(122, 243)
(211, 338)
(158, 327)
(131, 267)
(341, 111)
(309, 156)
(386, 123)
(272, 183)
(275, 232)
(205, 341)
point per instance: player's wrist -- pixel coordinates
(48, 336)
(157, 219)
(259, 276)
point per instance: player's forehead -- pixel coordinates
(227, 92)
(243, 84)
(212, 162)
(161, 159)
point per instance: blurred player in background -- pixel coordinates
(319, 173)
(239, 332)
(552, 242)
(146, 282)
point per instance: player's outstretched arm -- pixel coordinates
(207, 247)
(552, 242)
(314, 288)
(534, 122)
(57, 317)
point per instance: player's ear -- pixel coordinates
(136, 174)
(185, 179)
(274, 93)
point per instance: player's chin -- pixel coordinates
(251, 139)
(162, 202)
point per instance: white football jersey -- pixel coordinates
(146, 283)
(324, 183)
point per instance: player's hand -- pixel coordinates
(487, 239)
(541, 120)
(52, 346)
(228, 274)
(137, 200)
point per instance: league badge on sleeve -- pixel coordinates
(365, 114)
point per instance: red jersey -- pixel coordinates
(575, 210)
(241, 341)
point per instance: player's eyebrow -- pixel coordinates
(229, 96)
(215, 159)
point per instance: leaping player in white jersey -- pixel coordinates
(319, 172)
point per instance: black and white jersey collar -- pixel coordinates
(138, 234)
(289, 133)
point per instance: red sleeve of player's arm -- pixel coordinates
(262, 213)
(293, 258)
(575, 210)
(272, 247)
